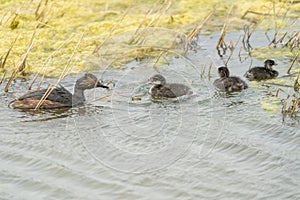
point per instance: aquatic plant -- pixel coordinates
(58, 26)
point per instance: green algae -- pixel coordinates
(271, 52)
(60, 24)
(271, 103)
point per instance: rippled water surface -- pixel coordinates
(205, 146)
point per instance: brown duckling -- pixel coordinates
(262, 73)
(228, 83)
(161, 88)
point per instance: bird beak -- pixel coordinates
(101, 85)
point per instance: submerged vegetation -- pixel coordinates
(56, 38)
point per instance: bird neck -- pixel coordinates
(158, 85)
(155, 87)
(224, 75)
(268, 66)
(78, 96)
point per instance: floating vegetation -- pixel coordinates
(58, 23)
(138, 44)
(283, 44)
(271, 103)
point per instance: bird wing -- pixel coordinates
(238, 83)
(166, 92)
(179, 89)
(258, 73)
(58, 95)
(230, 84)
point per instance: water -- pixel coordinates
(206, 146)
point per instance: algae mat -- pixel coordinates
(46, 37)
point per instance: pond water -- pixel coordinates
(205, 146)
